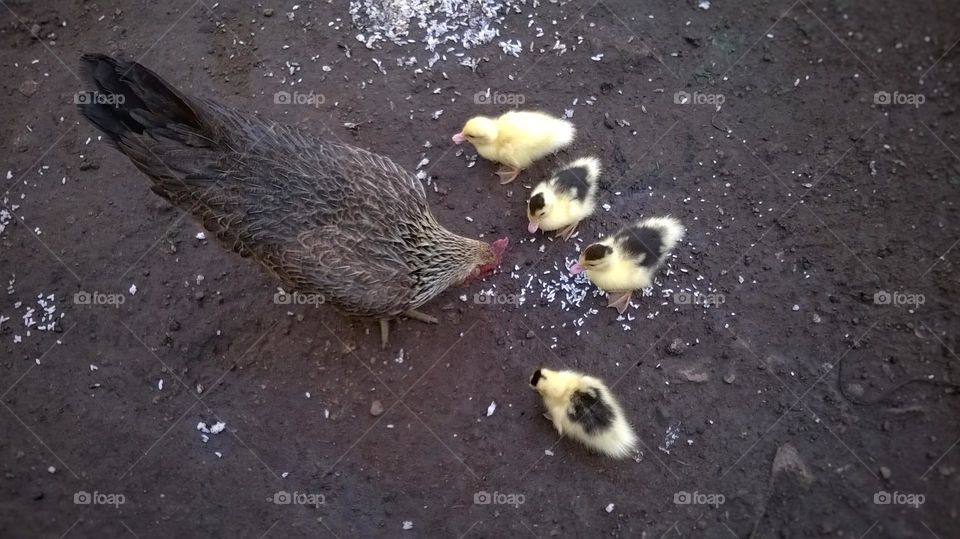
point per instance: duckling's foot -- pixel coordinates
(417, 315)
(621, 302)
(567, 232)
(507, 174)
(384, 333)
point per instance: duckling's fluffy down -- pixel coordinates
(523, 137)
(583, 408)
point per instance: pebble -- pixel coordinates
(376, 408)
(885, 472)
(531, 334)
(677, 347)
(268, 12)
(29, 87)
(730, 377)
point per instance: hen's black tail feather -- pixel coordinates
(127, 98)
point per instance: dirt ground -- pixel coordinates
(815, 394)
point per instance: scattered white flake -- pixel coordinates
(52, 469)
(160, 384)
(796, 307)
(307, 394)
(513, 49)
(492, 408)
(201, 236)
(408, 524)
(548, 453)
(218, 454)
(133, 289)
(218, 427)
(610, 507)
(597, 57)
(94, 367)
(704, 4)
(399, 359)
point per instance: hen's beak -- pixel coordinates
(459, 138)
(533, 226)
(576, 268)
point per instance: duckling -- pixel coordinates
(516, 139)
(627, 260)
(582, 408)
(567, 198)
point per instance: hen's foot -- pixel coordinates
(414, 314)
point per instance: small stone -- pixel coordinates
(29, 87)
(677, 347)
(796, 307)
(694, 375)
(268, 12)
(730, 377)
(376, 408)
(885, 472)
(52, 469)
(788, 459)
(531, 334)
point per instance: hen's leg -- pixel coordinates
(507, 174)
(417, 315)
(384, 333)
(621, 302)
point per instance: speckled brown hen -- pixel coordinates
(326, 218)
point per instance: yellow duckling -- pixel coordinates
(567, 198)
(627, 260)
(582, 408)
(516, 139)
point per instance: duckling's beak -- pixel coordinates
(576, 268)
(459, 138)
(533, 226)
